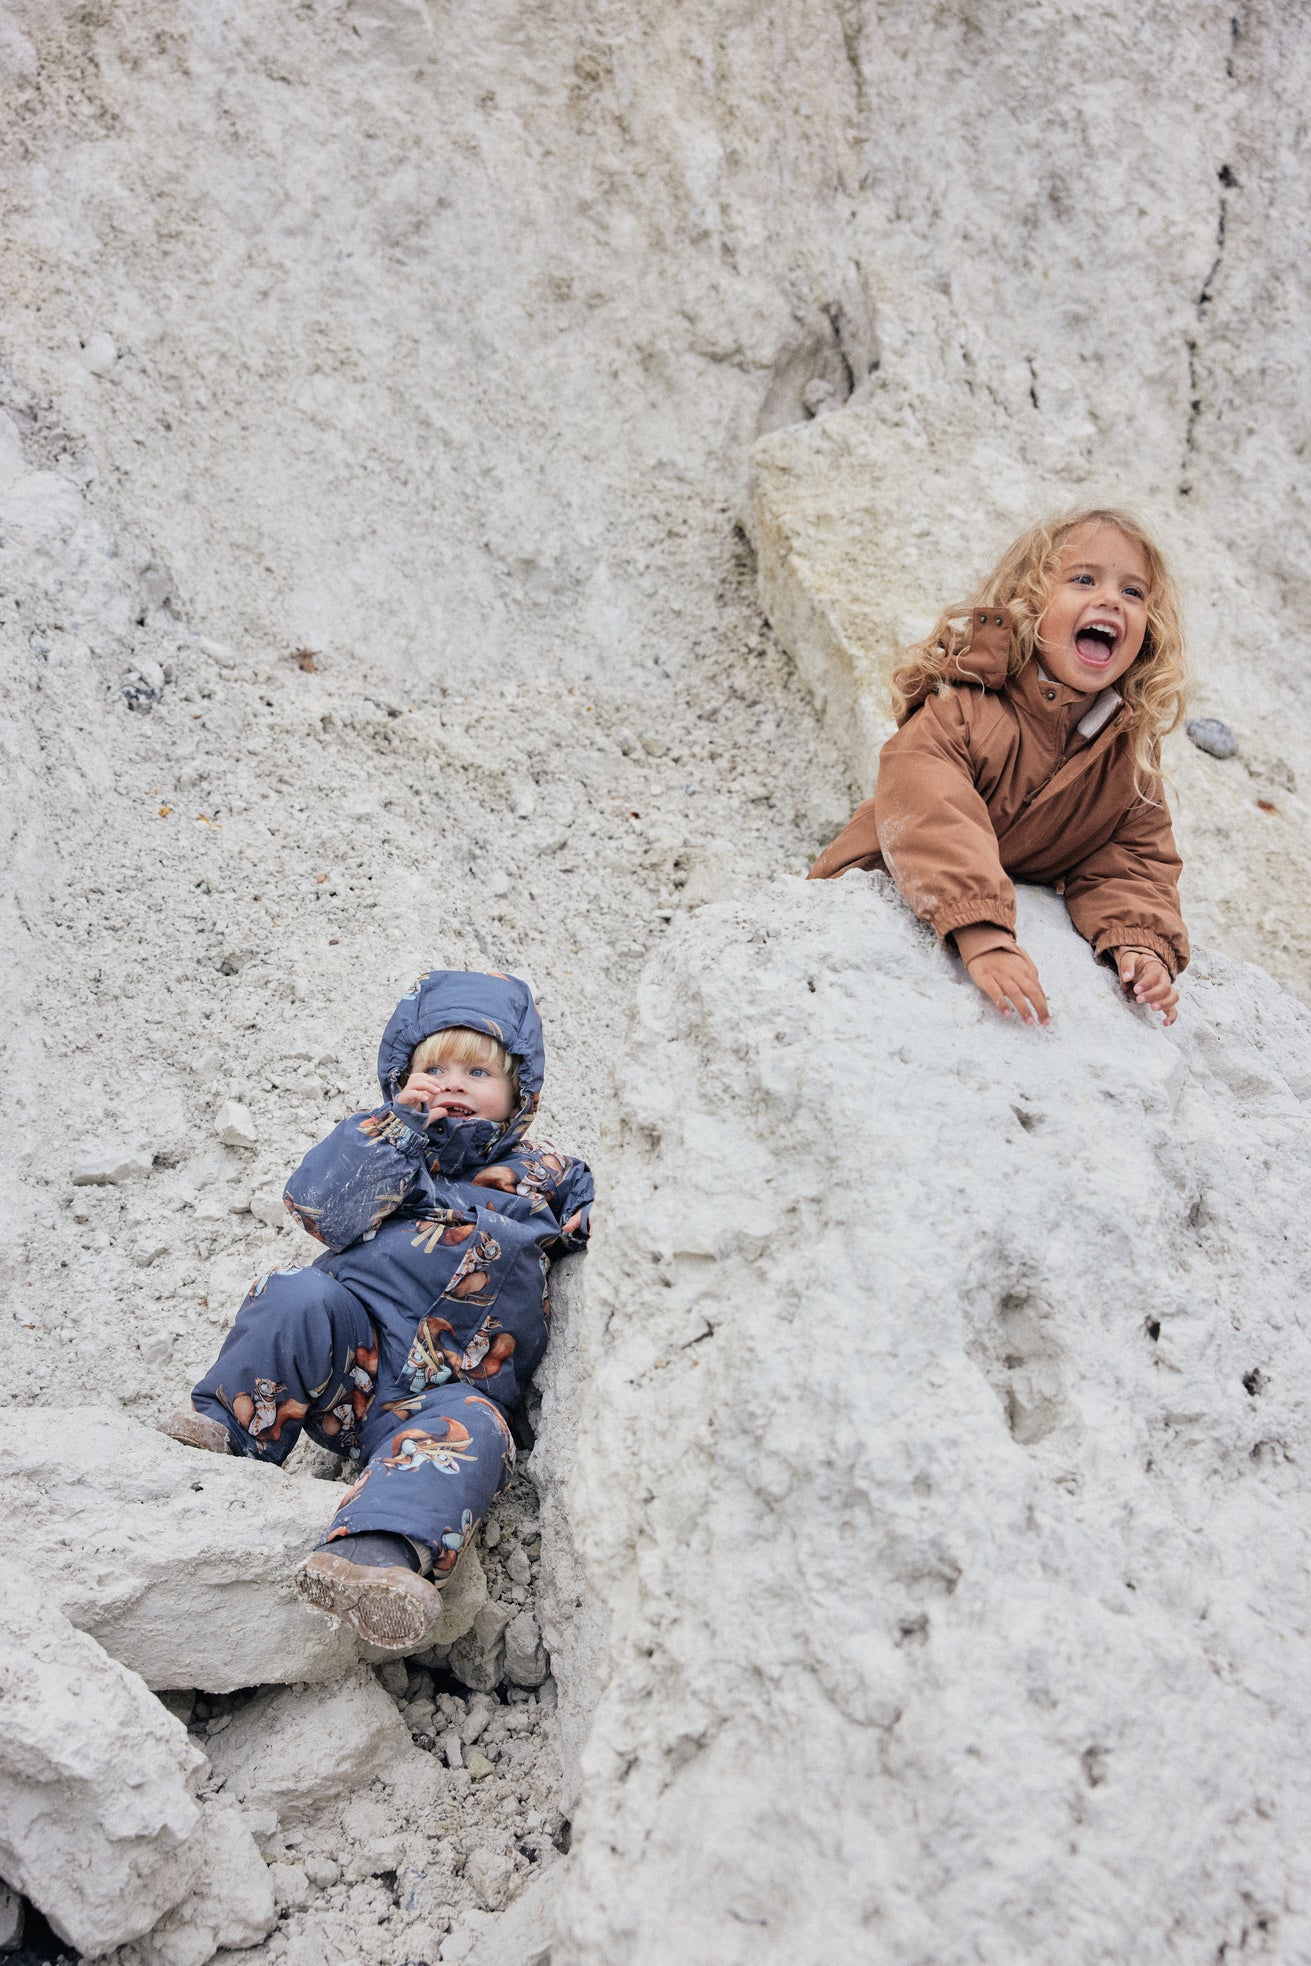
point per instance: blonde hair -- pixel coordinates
(461, 1046)
(1155, 687)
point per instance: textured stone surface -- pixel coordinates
(360, 359)
(180, 1563)
(290, 1747)
(943, 1465)
(99, 1824)
(231, 1904)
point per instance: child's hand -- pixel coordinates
(1146, 978)
(1010, 978)
(426, 1095)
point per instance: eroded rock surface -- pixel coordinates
(179, 1562)
(293, 1747)
(99, 1822)
(942, 1468)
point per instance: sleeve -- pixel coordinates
(935, 832)
(355, 1178)
(980, 939)
(1127, 893)
(574, 1197)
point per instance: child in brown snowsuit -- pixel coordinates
(1029, 747)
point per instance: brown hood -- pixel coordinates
(983, 658)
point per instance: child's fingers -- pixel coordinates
(1035, 992)
(1150, 982)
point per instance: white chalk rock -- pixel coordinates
(232, 1903)
(945, 1467)
(99, 354)
(288, 1749)
(98, 1823)
(180, 1563)
(526, 1663)
(491, 1873)
(235, 1125)
(109, 1167)
(478, 1657)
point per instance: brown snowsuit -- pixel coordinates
(996, 778)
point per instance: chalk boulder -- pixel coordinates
(180, 1563)
(942, 1468)
(231, 1903)
(290, 1747)
(99, 1823)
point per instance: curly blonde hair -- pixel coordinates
(1155, 687)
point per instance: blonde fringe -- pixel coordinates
(1155, 688)
(458, 1045)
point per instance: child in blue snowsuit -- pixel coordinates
(408, 1344)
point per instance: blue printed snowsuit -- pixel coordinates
(406, 1345)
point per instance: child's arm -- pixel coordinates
(935, 833)
(358, 1176)
(1125, 900)
(572, 1204)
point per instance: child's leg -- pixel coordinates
(435, 1467)
(302, 1345)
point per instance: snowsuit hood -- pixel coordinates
(476, 1000)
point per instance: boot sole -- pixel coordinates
(393, 1609)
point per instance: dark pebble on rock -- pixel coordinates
(1213, 737)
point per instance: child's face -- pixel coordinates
(462, 1092)
(1094, 623)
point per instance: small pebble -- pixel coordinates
(451, 1750)
(99, 353)
(321, 1872)
(478, 1765)
(517, 1566)
(291, 1886)
(480, 1712)
(235, 1126)
(1213, 737)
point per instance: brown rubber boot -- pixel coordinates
(395, 1609)
(196, 1430)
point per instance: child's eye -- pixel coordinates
(1135, 593)
(1083, 579)
(478, 1072)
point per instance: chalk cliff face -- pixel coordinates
(941, 1472)
(377, 385)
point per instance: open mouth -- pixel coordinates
(1097, 643)
(457, 1112)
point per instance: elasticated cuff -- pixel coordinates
(979, 939)
(996, 909)
(1129, 935)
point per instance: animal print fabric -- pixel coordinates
(404, 1346)
(305, 1353)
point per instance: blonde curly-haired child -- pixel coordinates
(1029, 748)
